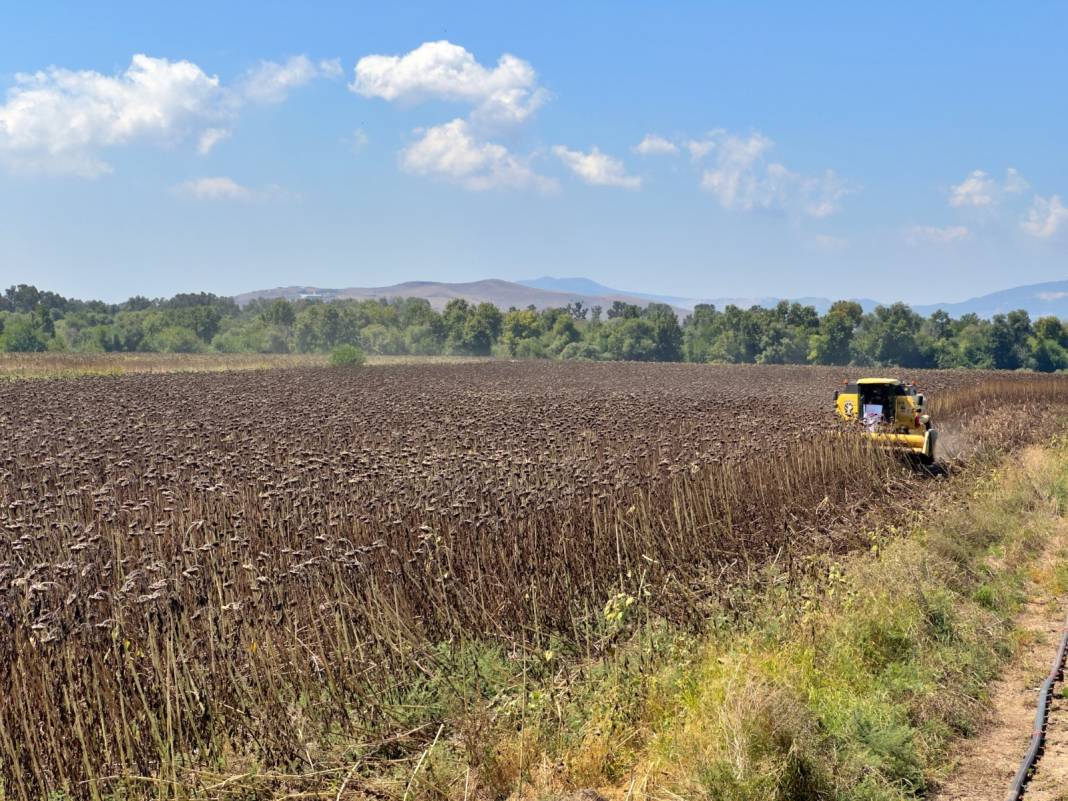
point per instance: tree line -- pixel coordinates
(789, 333)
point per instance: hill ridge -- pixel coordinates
(1041, 299)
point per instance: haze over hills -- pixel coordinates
(503, 294)
(1040, 300)
(541, 293)
(1050, 298)
(585, 284)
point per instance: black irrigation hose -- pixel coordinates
(1038, 735)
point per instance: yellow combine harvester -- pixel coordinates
(892, 414)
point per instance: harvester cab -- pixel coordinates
(892, 414)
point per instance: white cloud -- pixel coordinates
(270, 82)
(331, 68)
(735, 181)
(1014, 182)
(742, 179)
(980, 190)
(450, 152)
(699, 148)
(819, 196)
(920, 234)
(57, 119)
(214, 188)
(597, 168)
(505, 94)
(221, 187)
(655, 145)
(1045, 217)
(210, 138)
(460, 151)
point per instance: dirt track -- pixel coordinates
(986, 764)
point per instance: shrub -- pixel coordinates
(347, 356)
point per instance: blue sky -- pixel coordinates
(912, 151)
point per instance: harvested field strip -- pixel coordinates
(70, 365)
(262, 566)
(73, 365)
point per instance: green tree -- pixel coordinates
(698, 330)
(1049, 356)
(619, 309)
(280, 312)
(1009, 336)
(1053, 329)
(891, 336)
(833, 343)
(423, 340)
(630, 339)
(22, 334)
(174, 339)
(516, 326)
(665, 331)
(377, 338)
(565, 332)
(480, 331)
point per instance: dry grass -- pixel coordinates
(73, 365)
(1013, 390)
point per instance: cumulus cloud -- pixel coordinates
(460, 151)
(505, 94)
(1014, 182)
(210, 138)
(597, 168)
(921, 234)
(743, 179)
(1042, 220)
(655, 145)
(980, 190)
(451, 152)
(699, 148)
(58, 119)
(1045, 217)
(220, 187)
(271, 82)
(214, 188)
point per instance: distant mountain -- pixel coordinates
(1040, 300)
(503, 294)
(585, 286)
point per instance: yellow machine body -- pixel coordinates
(891, 412)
